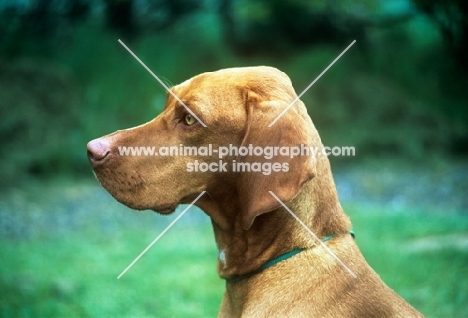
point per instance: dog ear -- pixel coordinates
(293, 129)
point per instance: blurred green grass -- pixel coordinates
(69, 268)
(421, 255)
(76, 276)
(61, 255)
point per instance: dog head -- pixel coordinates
(147, 167)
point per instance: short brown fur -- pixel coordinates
(250, 226)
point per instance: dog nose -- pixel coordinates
(98, 149)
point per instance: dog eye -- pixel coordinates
(189, 120)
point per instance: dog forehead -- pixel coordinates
(250, 71)
(237, 76)
(229, 86)
(248, 76)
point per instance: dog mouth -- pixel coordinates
(171, 207)
(165, 208)
(130, 189)
(128, 192)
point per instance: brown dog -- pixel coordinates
(272, 265)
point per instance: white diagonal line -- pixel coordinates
(160, 235)
(162, 83)
(310, 85)
(313, 235)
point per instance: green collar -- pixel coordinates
(278, 259)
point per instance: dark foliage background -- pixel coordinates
(400, 91)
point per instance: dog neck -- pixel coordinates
(277, 232)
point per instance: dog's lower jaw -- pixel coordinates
(165, 209)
